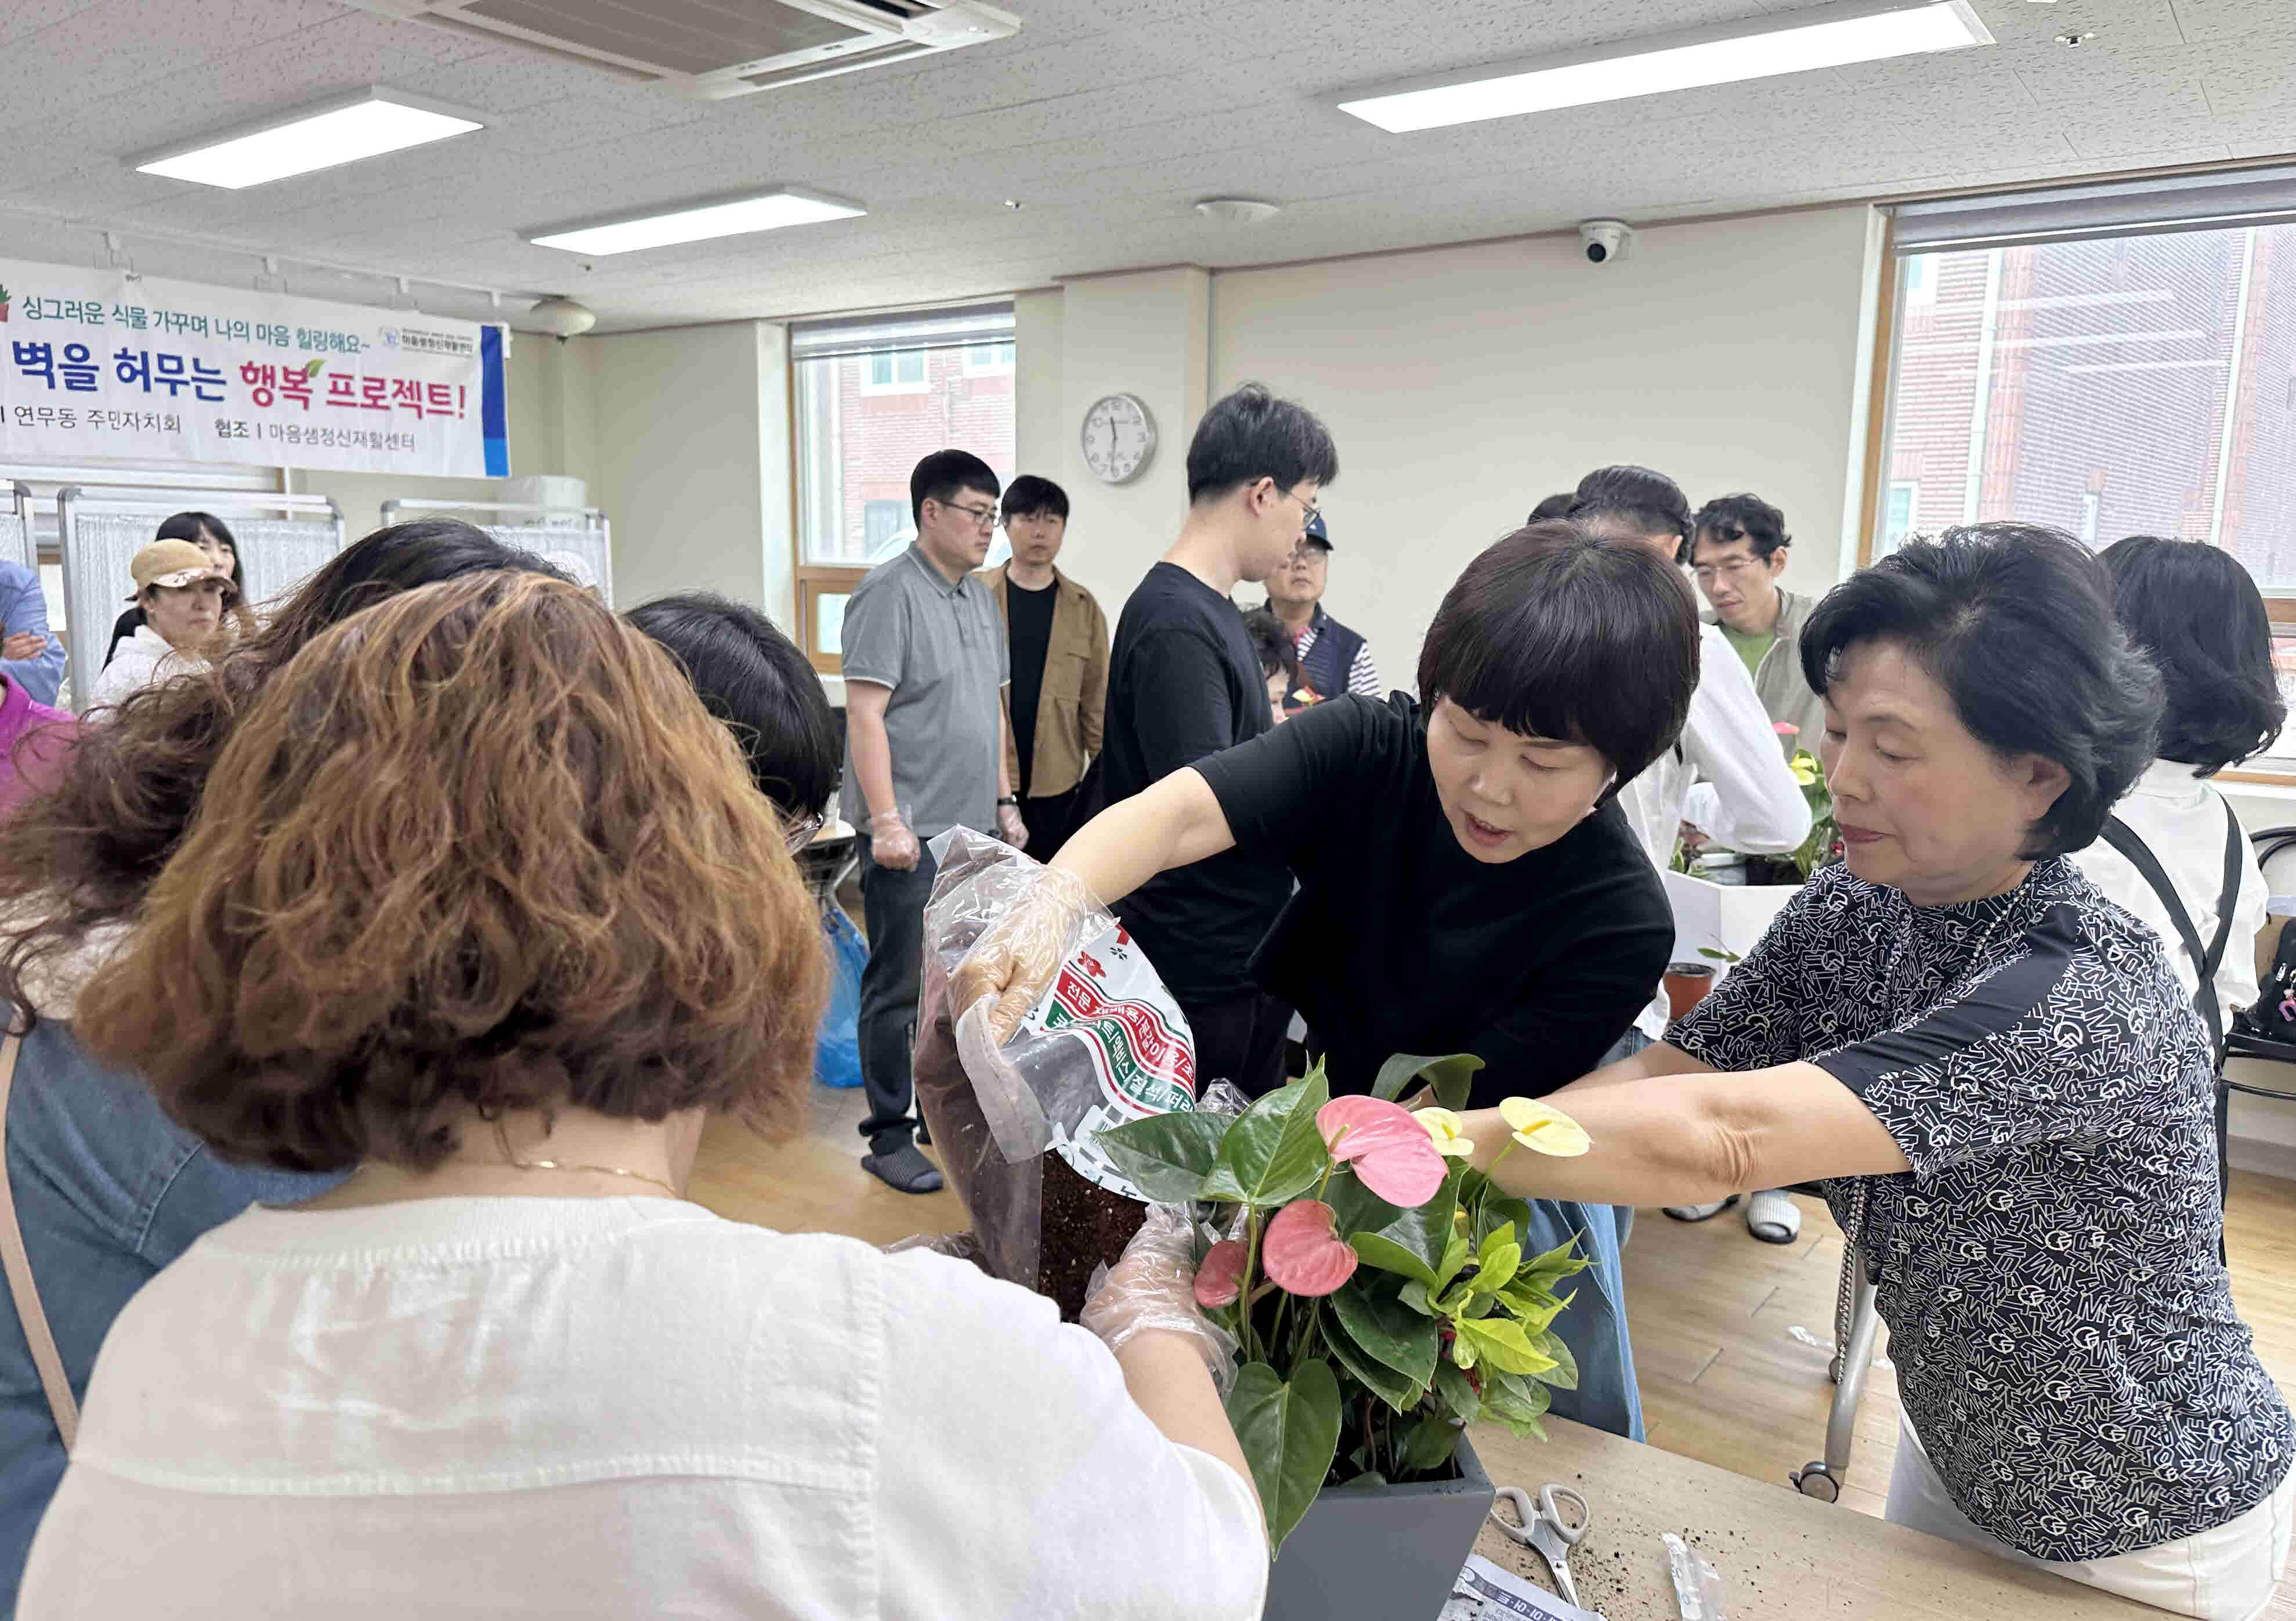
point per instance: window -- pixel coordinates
(870, 397)
(1898, 522)
(2155, 363)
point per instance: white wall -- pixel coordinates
(691, 461)
(1462, 385)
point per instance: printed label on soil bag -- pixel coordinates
(1109, 1000)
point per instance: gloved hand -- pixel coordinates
(1010, 828)
(892, 844)
(1017, 957)
(1152, 1289)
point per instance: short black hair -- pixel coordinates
(754, 680)
(1626, 498)
(1556, 505)
(191, 525)
(2193, 610)
(2015, 623)
(943, 476)
(1251, 435)
(1557, 631)
(1273, 644)
(1740, 517)
(1031, 496)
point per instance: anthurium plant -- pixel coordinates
(1375, 1283)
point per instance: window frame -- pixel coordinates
(922, 384)
(1004, 367)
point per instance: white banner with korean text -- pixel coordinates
(106, 363)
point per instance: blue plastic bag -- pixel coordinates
(837, 1056)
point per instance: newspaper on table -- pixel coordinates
(1486, 1592)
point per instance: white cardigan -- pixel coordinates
(143, 660)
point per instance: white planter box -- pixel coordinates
(1720, 917)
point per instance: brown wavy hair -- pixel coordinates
(479, 847)
(82, 855)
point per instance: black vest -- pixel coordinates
(1329, 661)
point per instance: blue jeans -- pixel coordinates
(1594, 1325)
(108, 1190)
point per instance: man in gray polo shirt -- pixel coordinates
(926, 663)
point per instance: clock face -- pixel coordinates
(1118, 438)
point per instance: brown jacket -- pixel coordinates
(1075, 696)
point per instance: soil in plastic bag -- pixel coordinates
(1015, 1127)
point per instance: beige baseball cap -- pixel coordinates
(173, 563)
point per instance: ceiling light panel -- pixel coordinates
(1761, 47)
(697, 222)
(367, 125)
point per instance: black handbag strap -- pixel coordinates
(2123, 838)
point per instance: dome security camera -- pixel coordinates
(1606, 240)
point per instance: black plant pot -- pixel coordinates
(1380, 1552)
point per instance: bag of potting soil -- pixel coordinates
(1016, 1126)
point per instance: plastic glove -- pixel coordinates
(1152, 1290)
(1017, 957)
(892, 844)
(1010, 828)
(956, 1245)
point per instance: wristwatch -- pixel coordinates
(1009, 800)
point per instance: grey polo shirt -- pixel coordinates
(941, 648)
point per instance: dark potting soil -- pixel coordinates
(1083, 1226)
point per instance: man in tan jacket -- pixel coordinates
(1059, 642)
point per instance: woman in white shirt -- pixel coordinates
(183, 594)
(483, 905)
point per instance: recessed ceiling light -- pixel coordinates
(1791, 42)
(697, 221)
(344, 130)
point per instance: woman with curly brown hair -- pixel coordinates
(483, 905)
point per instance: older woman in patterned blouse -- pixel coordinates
(2006, 1089)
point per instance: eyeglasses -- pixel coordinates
(1308, 508)
(802, 831)
(1311, 551)
(983, 517)
(1732, 566)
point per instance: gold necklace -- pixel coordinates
(502, 1136)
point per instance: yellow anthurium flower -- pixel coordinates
(1443, 1126)
(1804, 770)
(1544, 1128)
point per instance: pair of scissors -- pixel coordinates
(1551, 1530)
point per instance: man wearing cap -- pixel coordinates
(182, 594)
(1334, 659)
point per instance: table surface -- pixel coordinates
(1780, 1554)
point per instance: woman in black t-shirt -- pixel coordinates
(1466, 882)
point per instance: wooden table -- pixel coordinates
(1780, 1554)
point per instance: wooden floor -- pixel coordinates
(1731, 1336)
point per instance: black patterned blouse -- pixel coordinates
(2064, 1334)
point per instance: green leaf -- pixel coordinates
(1398, 1392)
(1272, 1153)
(1430, 1444)
(314, 369)
(1458, 1394)
(1516, 1213)
(1370, 1308)
(1564, 1374)
(1168, 1155)
(1409, 1241)
(1290, 1433)
(1501, 1344)
(1535, 1309)
(1452, 1077)
(1517, 1395)
(1545, 1271)
(1496, 1263)
(1455, 1256)
(1415, 1296)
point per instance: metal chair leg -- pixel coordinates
(1853, 1361)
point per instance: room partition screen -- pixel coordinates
(281, 540)
(576, 540)
(16, 543)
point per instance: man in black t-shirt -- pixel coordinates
(1184, 684)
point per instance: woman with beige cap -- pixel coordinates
(183, 594)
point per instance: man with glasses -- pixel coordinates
(1333, 659)
(925, 748)
(1184, 683)
(1738, 549)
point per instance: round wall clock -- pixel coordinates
(1118, 438)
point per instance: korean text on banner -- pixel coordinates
(104, 363)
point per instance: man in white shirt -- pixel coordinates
(1727, 777)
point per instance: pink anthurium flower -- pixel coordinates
(1220, 1279)
(1303, 1252)
(1786, 728)
(1391, 1151)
